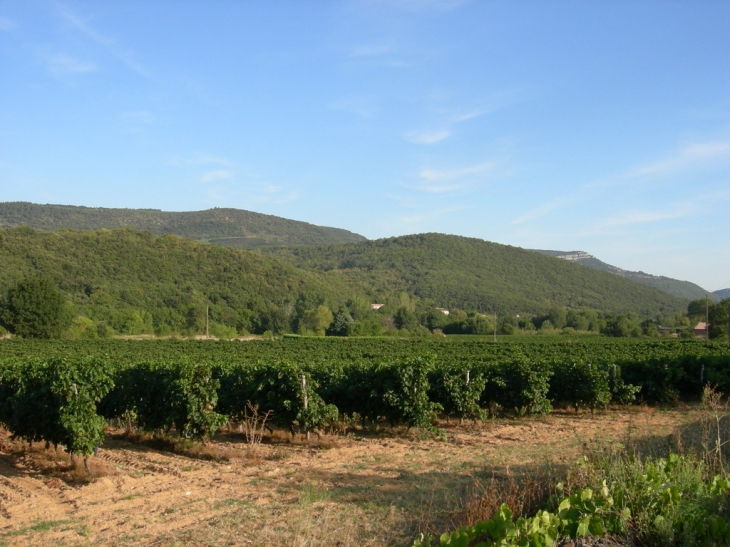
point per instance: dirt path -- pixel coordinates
(366, 490)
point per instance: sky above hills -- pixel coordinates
(570, 125)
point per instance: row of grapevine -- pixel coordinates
(310, 352)
(66, 400)
(55, 401)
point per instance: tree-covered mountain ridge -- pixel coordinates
(222, 226)
(681, 289)
(468, 273)
(242, 229)
(134, 282)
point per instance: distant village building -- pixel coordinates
(376, 306)
(701, 330)
(443, 310)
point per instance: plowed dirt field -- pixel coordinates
(363, 489)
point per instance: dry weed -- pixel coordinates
(481, 500)
(55, 463)
(715, 429)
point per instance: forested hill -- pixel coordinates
(675, 287)
(466, 273)
(134, 281)
(228, 227)
(722, 293)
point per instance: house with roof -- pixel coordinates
(700, 329)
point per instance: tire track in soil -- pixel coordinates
(158, 497)
(25, 498)
(155, 493)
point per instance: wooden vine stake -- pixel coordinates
(305, 401)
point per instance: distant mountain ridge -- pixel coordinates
(722, 293)
(453, 271)
(681, 289)
(468, 273)
(135, 282)
(228, 227)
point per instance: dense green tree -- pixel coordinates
(576, 320)
(435, 319)
(359, 308)
(697, 309)
(318, 320)
(82, 327)
(621, 326)
(719, 319)
(558, 317)
(341, 323)
(405, 318)
(35, 308)
(273, 320)
(547, 326)
(525, 323)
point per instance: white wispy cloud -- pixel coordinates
(369, 50)
(546, 208)
(217, 174)
(439, 181)
(450, 117)
(453, 174)
(62, 66)
(692, 156)
(361, 106)
(695, 206)
(430, 5)
(427, 137)
(645, 216)
(137, 121)
(696, 156)
(470, 115)
(200, 159)
(110, 45)
(7, 24)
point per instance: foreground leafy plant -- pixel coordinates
(55, 401)
(660, 502)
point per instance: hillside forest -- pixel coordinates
(129, 282)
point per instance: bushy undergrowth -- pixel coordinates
(679, 499)
(673, 501)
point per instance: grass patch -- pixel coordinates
(41, 526)
(313, 493)
(231, 502)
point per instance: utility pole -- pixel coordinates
(495, 325)
(206, 321)
(707, 317)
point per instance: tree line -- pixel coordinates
(36, 308)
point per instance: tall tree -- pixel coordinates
(35, 308)
(719, 319)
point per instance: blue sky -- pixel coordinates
(597, 126)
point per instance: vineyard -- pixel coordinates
(65, 393)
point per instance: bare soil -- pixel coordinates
(381, 488)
